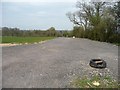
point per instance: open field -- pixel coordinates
(10, 39)
(56, 63)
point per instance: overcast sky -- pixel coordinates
(34, 14)
(37, 14)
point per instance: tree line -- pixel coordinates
(97, 21)
(51, 32)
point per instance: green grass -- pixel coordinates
(105, 82)
(10, 39)
(118, 44)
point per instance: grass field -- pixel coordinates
(10, 39)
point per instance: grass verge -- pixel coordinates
(10, 39)
(118, 44)
(95, 82)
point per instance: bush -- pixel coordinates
(114, 38)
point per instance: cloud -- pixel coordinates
(38, 1)
(37, 15)
(56, 0)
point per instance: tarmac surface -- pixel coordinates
(55, 63)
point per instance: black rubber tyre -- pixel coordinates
(102, 63)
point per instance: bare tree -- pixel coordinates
(88, 14)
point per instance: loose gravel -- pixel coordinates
(55, 63)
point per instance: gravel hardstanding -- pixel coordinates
(55, 63)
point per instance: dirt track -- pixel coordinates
(55, 63)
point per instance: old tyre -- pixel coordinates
(98, 63)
